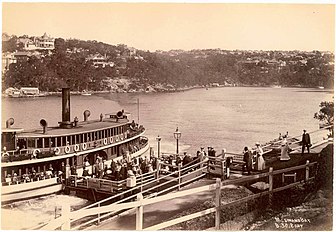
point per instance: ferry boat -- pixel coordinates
(24, 92)
(33, 162)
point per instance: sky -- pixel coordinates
(166, 26)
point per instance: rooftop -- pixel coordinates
(88, 126)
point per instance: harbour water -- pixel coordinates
(230, 117)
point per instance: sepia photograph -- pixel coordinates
(166, 115)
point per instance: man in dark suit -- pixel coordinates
(305, 141)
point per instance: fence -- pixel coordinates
(67, 217)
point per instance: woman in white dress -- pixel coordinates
(260, 159)
(284, 151)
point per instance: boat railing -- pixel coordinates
(27, 178)
(106, 185)
(39, 153)
(151, 188)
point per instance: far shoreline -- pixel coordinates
(121, 91)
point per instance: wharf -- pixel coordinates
(162, 211)
(151, 205)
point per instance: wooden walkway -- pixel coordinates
(298, 170)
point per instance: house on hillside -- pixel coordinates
(44, 42)
(7, 59)
(99, 61)
(22, 56)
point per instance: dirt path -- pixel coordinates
(315, 214)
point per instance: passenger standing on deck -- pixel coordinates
(203, 152)
(260, 159)
(118, 170)
(305, 141)
(128, 158)
(284, 151)
(100, 167)
(96, 169)
(248, 160)
(86, 166)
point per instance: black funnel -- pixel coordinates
(65, 109)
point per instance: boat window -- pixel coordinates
(22, 143)
(52, 142)
(46, 142)
(71, 139)
(78, 139)
(39, 142)
(59, 141)
(68, 140)
(63, 141)
(85, 137)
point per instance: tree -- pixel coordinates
(326, 115)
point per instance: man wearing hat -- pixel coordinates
(248, 160)
(305, 141)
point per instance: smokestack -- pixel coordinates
(65, 109)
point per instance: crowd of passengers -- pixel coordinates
(33, 175)
(128, 167)
(118, 170)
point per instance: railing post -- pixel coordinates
(179, 176)
(98, 214)
(223, 174)
(218, 203)
(139, 213)
(158, 169)
(66, 216)
(307, 170)
(270, 182)
(75, 181)
(141, 182)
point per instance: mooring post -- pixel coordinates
(307, 170)
(218, 203)
(179, 176)
(139, 213)
(270, 182)
(66, 216)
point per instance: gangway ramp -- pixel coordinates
(164, 182)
